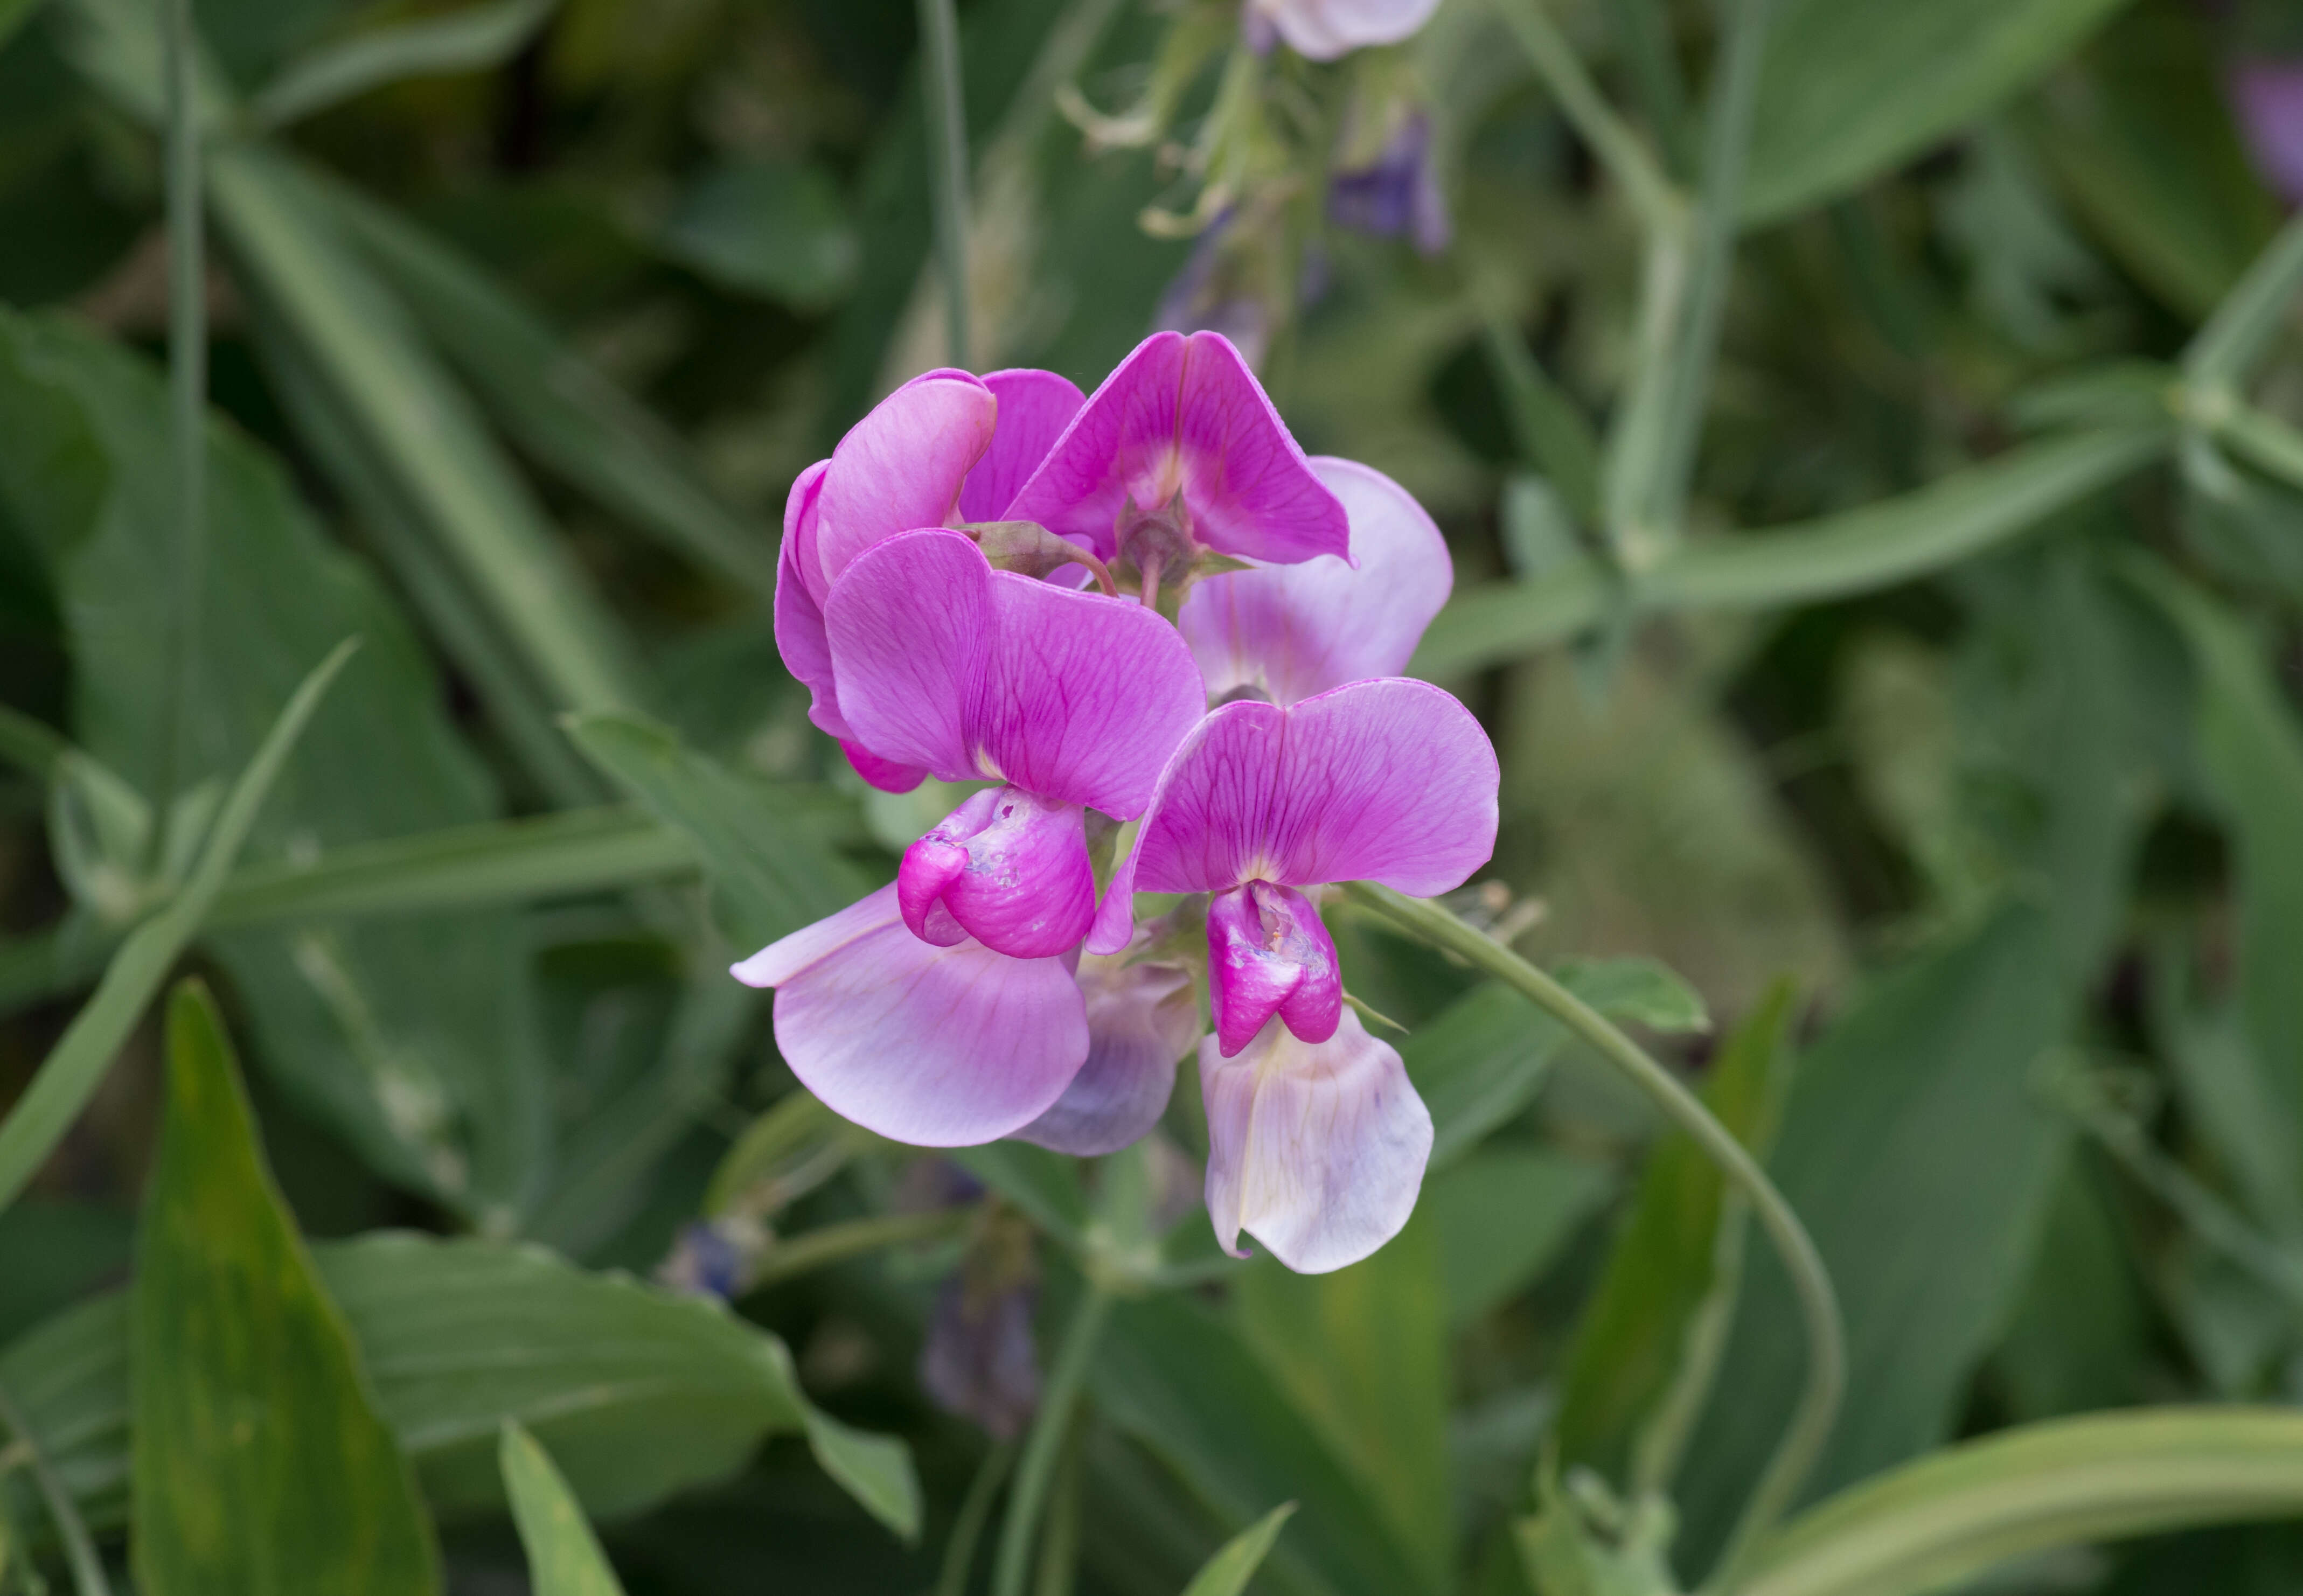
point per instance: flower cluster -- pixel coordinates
(995, 580)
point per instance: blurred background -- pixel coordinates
(1970, 816)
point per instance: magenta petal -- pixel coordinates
(1268, 953)
(1289, 632)
(1140, 1019)
(1012, 870)
(1186, 415)
(1115, 916)
(971, 672)
(799, 617)
(1315, 1149)
(939, 1047)
(900, 468)
(881, 774)
(1034, 409)
(1389, 780)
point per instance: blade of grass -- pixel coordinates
(188, 385)
(71, 1072)
(1614, 141)
(470, 40)
(80, 1547)
(2221, 351)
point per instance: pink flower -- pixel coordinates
(1324, 30)
(1286, 632)
(943, 450)
(1142, 1017)
(1179, 450)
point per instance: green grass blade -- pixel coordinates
(2249, 315)
(63, 1513)
(462, 41)
(563, 1555)
(1227, 1572)
(1953, 1515)
(73, 1071)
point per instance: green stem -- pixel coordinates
(1615, 141)
(1819, 1406)
(974, 1512)
(188, 382)
(1727, 142)
(947, 114)
(836, 1244)
(1043, 1446)
(79, 1549)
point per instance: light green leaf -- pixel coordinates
(1501, 1216)
(1642, 991)
(1954, 1514)
(77, 1065)
(777, 230)
(1852, 552)
(638, 1392)
(470, 40)
(1853, 88)
(1914, 1148)
(1362, 1351)
(1634, 1335)
(2224, 348)
(558, 407)
(259, 1461)
(772, 870)
(783, 1154)
(1235, 1564)
(1478, 1064)
(563, 1555)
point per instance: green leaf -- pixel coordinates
(1175, 1377)
(1851, 88)
(418, 427)
(2250, 753)
(411, 1037)
(1502, 1215)
(2234, 337)
(559, 407)
(1855, 550)
(638, 1392)
(1633, 1333)
(1362, 1351)
(1478, 1064)
(1642, 991)
(778, 231)
(77, 1065)
(1046, 1185)
(15, 14)
(259, 1461)
(772, 869)
(1953, 1515)
(1235, 1564)
(470, 40)
(1916, 1150)
(563, 1555)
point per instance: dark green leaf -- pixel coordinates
(259, 1461)
(563, 1555)
(771, 868)
(777, 230)
(1502, 1214)
(1478, 1064)
(467, 40)
(1227, 1572)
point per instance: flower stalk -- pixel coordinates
(947, 119)
(1811, 1422)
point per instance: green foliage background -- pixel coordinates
(1949, 747)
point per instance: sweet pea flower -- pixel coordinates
(946, 449)
(943, 1010)
(1142, 1017)
(1317, 1140)
(1284, 632)
(1179, 452)
(1324, 29)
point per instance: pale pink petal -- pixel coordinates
(1315, 1149)
(1286, 632)
(971, 672)
(1185, 415)
(1010, 869)
(1324, 29)
(900, 467)
(1389, 780)
(939, 1047)
(1140, 1019)
(1115, 916)
(1034, 409)
(1270, 953)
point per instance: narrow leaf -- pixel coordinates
(469, 40)
(1954, 1514)
(2222, 350)
(71, 1072)
(260, 1463)
(1642, 991)
(1227, 1572)
(563, 1555)
(1478, 1064)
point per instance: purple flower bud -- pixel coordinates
(1397, 195)
(705, 1260)
(2268, 97)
